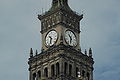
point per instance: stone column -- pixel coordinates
(30, 75)
(49, 70)
(42, 71)
(74, 69)
(61, 63)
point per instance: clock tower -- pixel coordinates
(61, 57)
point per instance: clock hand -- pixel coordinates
(50, 39)
(70, 38)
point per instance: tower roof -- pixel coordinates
(57, 4)
(60, 5)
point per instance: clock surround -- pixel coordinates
(70, 38)
(51, 38)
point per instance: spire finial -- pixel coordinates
(60, 2)
(56, 4)
(85, 52)
(80, 49)
(36, 52)
(31, 52)
(90, 52)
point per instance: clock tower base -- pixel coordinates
(61, 63)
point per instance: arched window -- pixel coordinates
(88, 76)
(65, 68)
(70, 69)
(46, 72)
(52, 70)
(39, 74)
(57, 69)
(34, 76)
(83, 73)
(77, 71)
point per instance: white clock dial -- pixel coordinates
(51, 38)
(70, 38)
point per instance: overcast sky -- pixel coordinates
(19, 31)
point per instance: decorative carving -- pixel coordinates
(68, 18)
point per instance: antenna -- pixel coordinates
(42, 6)
(45, 5)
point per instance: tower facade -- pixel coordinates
(61, 57)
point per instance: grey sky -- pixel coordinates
(19, 31)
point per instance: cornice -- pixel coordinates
(61, 23)
(49, 13)
(61, 48)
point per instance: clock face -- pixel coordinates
(70, 38)
(51, 38)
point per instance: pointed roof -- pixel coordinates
(60, 5)
(57, 4)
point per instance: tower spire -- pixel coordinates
(59, 4)
(90, 52)
(31, 52)
(85, 52)
(36, 53)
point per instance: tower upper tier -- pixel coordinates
(60, 12)
(59, 5)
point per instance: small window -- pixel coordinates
(83, 73)
(34, 76)
(65, 68)
(57, 69)
(46, 72)
(77, 71)
(52, 70)
(39, 74)
(70, 69)
(88, 76)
